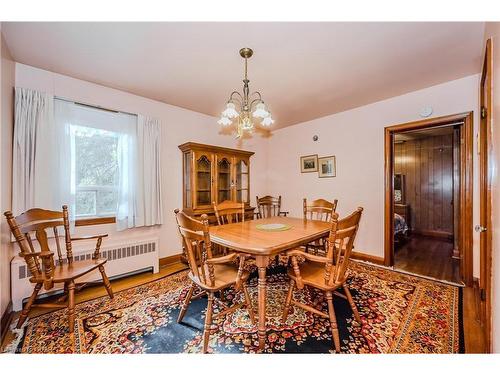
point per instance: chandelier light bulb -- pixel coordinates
(224, 121)
(230, 111)
(260, 111)
(267, 121)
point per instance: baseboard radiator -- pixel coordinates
(123, 259)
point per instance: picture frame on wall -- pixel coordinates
(327, 167)
(309, 163)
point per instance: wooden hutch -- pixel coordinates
(214, 174)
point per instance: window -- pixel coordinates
(96, 171)
(95, 155)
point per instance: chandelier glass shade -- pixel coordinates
(244, 109)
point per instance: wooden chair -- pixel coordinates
(269, 206)
(40, 259)
(327, 273)
(211, 274)
(319, 209)
(228, 212)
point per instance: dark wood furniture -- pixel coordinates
(269, 206)
(214, 174)
(39, 258)
(327, 273)
(246, 238)
(318, 209)
(211, 274)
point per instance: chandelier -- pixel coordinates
(247, 108)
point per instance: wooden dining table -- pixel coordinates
(261, 244)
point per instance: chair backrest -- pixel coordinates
(319, 209)
(40, 258)
(229, 212)
(268, 206)
(196, 238)
(340, 244)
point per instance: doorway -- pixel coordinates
(428, 203)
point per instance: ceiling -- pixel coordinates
(304, 70)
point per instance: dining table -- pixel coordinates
(263, 239)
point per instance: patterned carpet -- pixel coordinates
(400, 314)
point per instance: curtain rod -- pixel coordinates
(94, 106)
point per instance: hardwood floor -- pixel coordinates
(428, 256)
(473, 331)
(474, 339)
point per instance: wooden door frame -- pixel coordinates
(466, 179)
(485, 181)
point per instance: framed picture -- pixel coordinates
(326, 166)
(309, 163)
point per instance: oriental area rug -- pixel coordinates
(400, 314)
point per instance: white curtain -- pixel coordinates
(33, 151)
(140, 198)
(44, 157)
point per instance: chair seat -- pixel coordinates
(225, 276)
(313, 274)
(67, 272)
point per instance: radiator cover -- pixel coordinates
(122, 259)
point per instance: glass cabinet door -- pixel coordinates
(188, 196)
(224, 180)
(242, 177)
(203, 180)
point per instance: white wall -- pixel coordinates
(6, 127)
(493, 31)
(179, 126)
(356, 138)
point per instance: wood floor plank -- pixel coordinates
(428, 256)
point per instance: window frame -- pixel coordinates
(95, 221)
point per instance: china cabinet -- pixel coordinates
(214, 174)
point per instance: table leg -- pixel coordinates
(262, 262)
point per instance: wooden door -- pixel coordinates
(241, 189)
(484, 227)
(203, 179)
(224, 181)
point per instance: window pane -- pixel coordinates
(106, 202)
(96, 157)
(96, 171)
(86, 203)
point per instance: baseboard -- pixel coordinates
(433, 233)
(367, 258)
(5, 321)
(170, 260)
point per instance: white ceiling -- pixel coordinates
(304, 70)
